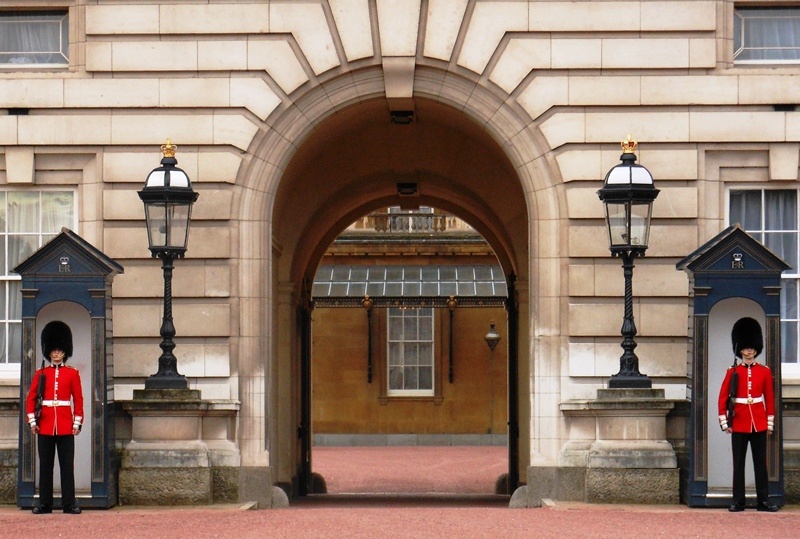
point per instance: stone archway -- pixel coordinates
(311, 175)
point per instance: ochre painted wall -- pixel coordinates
(343, 402)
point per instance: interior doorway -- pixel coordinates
(405, 376)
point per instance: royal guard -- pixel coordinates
(61, 417)
(747, 412)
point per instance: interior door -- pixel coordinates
(304, 430)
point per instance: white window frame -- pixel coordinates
(410, 392)
(63, 26)
(11, 371)
(739, 14)
(788, 370)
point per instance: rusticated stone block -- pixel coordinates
(225, 484)
(8, 485)
(165, 486)
(635, 485)
(9, 458)
(791, 485)
(571, 484)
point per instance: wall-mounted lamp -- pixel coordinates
(402, 117)
(492, 338)
(407, 189)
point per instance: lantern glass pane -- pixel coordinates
(640, 224)
(617, 220)
(156, 216)
(177, 225)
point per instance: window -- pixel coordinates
(410, 352)
(763, 34)
(34, 38)
(771, 217)
(28, 220)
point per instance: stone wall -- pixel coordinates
(678, 432)
(9, 449)
(791, 449)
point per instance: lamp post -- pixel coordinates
(168, 199)
(492, 338)
(628, 194)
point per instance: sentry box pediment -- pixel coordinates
(732, 251)
(68, 255)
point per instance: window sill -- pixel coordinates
(33, 67)
(437, 400)
(766, 63)
(790, 379)
(9, 374)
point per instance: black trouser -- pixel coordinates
(758, 446)
(66, 457)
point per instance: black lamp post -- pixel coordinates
(492, 338)
(628, 194)
(168, 199)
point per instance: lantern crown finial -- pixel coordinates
(168, 149)
(628, 145)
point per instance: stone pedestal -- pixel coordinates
(631, 430)
(618, 451)
(181, 450)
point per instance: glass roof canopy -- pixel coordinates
(409, 285)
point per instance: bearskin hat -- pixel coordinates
(56, 335)
(746, 333)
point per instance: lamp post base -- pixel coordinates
(156, 381)
(622, 381)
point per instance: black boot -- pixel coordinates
(767, 506)
(42, 510)
(72, 510)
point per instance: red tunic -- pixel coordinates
(755, 383)
(62, 384)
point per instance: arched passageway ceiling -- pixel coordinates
(352, 162)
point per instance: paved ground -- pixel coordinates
(470, 470)
(419, 514)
